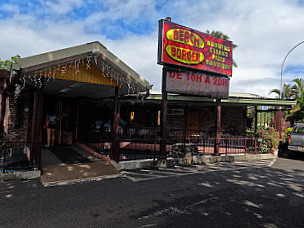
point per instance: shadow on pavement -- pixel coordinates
(268, 198)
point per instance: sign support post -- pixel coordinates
(218, 127)
(210, 61)
(115, 141)
(164, 112)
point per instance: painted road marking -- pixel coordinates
(152, 174)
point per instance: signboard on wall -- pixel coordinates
(182, 46)
(193, 83)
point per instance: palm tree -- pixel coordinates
(299, 87)
(297, 112)
(297, 92)
(221, 35)
(287, 92)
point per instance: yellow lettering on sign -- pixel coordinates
(184, 55)
(185, 37)
(218, 46)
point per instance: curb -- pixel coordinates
(245, 157)
(271, 163)
(138, 164)
(189, 160)
(80, 180)
(27, 175)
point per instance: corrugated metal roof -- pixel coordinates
(234, 98)
(231, 95)
(245, 95)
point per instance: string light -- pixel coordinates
(50, 73)
(63, 69)
(88, 66)
(77, 66)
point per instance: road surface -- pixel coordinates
(242, 194)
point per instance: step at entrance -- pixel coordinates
(69, 164)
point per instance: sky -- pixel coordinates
(264, 30)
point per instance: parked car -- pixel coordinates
(296, 139)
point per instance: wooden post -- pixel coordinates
(278, 120)
(40, 121)
(34, 128)
(38, 132)
(115, 142)
(218, 128)
(185, 123)
(39, 126)
(77, 121)
(164, 112)
(60, 122)
(255, 120)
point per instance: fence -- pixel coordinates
(19, 156)
(228, 146)
(99, 139)
(134, 143)
(140, 143)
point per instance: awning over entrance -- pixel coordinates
(84, 73)
(88, 70)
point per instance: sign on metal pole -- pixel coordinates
(185, 47)
(195, 63)
(197, 83)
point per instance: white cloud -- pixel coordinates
(128, 9)
(263, 30)
(124, 10)
(9, 8)
(140, 53)
(62, 6)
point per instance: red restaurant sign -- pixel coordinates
(182, 46)
(191, 83)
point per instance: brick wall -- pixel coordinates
(233, 120)
(207, 120)
(7, 116)
(14, 132)
(176, 122)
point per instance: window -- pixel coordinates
(298, 130)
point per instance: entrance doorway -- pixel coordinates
(65, 110)
(193, 123)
